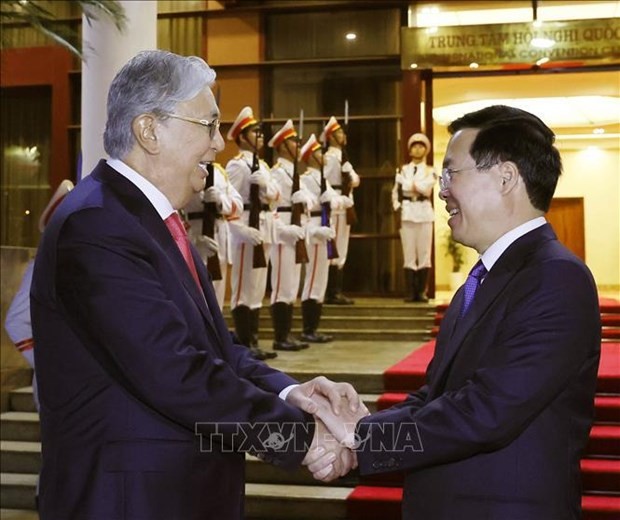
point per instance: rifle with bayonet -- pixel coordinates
(258, 258)
(326, 210)
(346, 188)
(345, 177)
(301, 253)
(209, 215)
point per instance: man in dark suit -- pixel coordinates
(498, 430)
(148, 407)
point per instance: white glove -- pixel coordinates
(342, 202)
(258, 178)
(302, 197)
(291, 233)
(207, 247)
(323, 233)
(246, 234)
(346, 167)
(326, 196)
(212, 194)
(396, 205)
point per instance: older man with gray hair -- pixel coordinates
(148, 407)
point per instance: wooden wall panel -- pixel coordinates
(46, 66)
(566, 215)
(233, 41)
(236, 88)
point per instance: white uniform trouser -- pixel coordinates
(285, 273)
(315, 281)
(343, 232)
(247, 284)
(416, 238)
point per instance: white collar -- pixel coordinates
(156, 198)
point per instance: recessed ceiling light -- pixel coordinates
(413, 66)
(473, 65)
(351, 36)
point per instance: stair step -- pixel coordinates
(20, 426)
(358, 322)
(604, 441)
(385, 307)
(17, 491)
(600, 475)
(20, 457)
(21, 400)
(360, 335)
(279, 502)
(607, 408)
(385, 503)
(18, 514)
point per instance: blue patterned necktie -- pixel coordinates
(472, 283)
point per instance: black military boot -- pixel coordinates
(241, 319)
(330, 292)
(291, 339)
(421, 279)
(281, 326)
(311, 313)
(411, 289)
(258, 352)
(333, 294)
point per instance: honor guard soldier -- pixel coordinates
(412, 192)
(252, 232)
(285, 266)
(18, 324)
(342, 177)
(225, 202)
(320, 239)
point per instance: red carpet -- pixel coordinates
(380, 496)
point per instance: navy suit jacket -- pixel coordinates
(144, 397)
(498, 430)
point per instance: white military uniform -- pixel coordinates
(315, 281)
(18, 325)
(248, 284)
(417, 214)
(285, 272)
(332, 170)
(229, 206)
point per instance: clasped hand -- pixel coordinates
(337, 408)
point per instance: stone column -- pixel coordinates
(106, 51)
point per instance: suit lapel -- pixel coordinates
(506, 267)
(136, 203)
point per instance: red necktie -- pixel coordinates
(177, 230)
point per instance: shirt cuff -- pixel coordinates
(284, 393)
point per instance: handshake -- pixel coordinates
(337, 408)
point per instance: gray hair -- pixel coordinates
(151, 82)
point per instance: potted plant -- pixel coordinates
(455, 251)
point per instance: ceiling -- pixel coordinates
(571, 105)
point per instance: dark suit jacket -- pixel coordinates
(134, 364)
(498, 430)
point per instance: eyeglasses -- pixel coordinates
(213, 126)
(447, 174)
